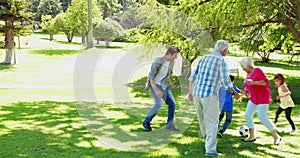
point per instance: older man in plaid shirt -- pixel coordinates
(211, 72)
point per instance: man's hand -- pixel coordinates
(172, 86)
(159, 93)
(190, 97)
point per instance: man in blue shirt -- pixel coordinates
(159, 79)
(211, 72)
(227, 106)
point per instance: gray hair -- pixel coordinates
(246, 62)
(221, 45)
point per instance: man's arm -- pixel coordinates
(158, 92)
(191, 90)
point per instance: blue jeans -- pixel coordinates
(169, 100)
(227, 121)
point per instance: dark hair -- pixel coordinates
(231, 78)
(280, 77)
(172, 50)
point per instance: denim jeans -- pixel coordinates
(169, 100)
(227, 121)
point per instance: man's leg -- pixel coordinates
(153, 111)
(170, 101)
(211, 120)
(199, 111)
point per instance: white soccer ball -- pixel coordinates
(244, 131)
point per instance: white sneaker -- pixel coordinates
(290, 131)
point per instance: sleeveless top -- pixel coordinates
(286, 101)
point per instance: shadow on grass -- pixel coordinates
(48, 129)
(82, 129)
(5, 67)
(285, 65)
(110, 47)
(62, 42)
(53, 52)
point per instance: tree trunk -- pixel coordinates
(9, 45)
(186, 68)
(83, 33)
(105, 13)
(106, 43)
(90, 26)
(51, 35)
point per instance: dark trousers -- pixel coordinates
(288, 112)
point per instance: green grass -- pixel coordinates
(56, 128)
(53, 52)
(111, 47)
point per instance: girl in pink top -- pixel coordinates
(259, 94)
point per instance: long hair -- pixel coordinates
(281, 78)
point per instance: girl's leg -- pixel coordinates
(279, 110)
(288, 112)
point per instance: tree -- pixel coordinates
(68, 24)
(77, 14)
(90, 26)
(48, 24)
(170, 27)
(230, 17)
(12, 13)
(65, 4)
(108, 30)
(48, 7)
(109, 7)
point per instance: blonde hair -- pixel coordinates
(246, 62)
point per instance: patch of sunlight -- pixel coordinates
(4, 131)
(247, 153)
(87, 136)
(84, 144)
(60, 109)
(5, 112)
(166, 151)
(22, 155)
(31, 116)
(63, 125)
(186, 140)
(115, 114)
(77, 125)
(129, 145)
(18, 124)
(66, 135)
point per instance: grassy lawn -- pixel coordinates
(39, 117)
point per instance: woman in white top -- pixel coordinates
(286, 101)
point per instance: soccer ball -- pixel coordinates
(244, 131)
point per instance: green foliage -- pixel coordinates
(109, 7)
(48, 7)
(108, 30)
(48, 23)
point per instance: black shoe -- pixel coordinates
(172, 128)
(220, 135)
(147, 126)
